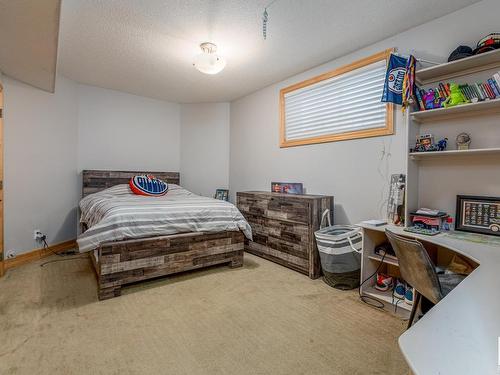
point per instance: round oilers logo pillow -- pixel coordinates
(148, 185)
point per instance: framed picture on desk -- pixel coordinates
(478, 214)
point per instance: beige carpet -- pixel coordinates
(259, 319)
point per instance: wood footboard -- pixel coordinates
(125, 262)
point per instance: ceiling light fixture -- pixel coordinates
(208, 61)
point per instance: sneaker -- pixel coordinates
(400, 289)
(384, 282)
(409, 295)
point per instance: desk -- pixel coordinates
(460, 334)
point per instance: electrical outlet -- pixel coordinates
(37, 235)
(10, 254)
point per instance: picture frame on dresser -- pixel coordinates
(478, 214)
(287, 187)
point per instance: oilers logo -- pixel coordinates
(148, 185)
(395, 80)
(394, 76)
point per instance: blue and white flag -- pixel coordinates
(393, 87)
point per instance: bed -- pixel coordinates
(130, 254)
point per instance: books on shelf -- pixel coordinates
(473, 92)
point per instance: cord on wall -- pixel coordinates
(383, 168)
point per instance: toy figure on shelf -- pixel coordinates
(429, 99)
(456, 97)
(438, 103)
(442, 144)
(425, 143)
(432, 100)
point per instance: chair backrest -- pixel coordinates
(415, 266)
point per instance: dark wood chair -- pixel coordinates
(417, 269)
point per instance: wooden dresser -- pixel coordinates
(283, 227)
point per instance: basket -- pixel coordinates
(339, 249)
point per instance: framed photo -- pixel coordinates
(287, 187)
(222, 194)
(478, 214)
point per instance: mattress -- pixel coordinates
(116, 214)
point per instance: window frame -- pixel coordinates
(388, 129)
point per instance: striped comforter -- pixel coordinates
(117, 213)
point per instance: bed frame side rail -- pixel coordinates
(125, 262)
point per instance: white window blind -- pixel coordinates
(345, 103)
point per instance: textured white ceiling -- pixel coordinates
(28, 41)
(147, 47)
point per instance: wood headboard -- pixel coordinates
(94, 181)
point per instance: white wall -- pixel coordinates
(40, 178)
(355, 172)
(126, 132)
(50, 138)
(205, 147)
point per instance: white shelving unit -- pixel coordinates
(369, 264)
(472, 109)
(378, 258)
(434, 179)
(475, 171)
(470, 65)
(387, 297)
(442, 154)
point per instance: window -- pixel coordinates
(338, 105)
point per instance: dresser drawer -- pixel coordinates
(288, 260)
(278, 208)
(283, 227)
(297, 249)
(287, 236)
